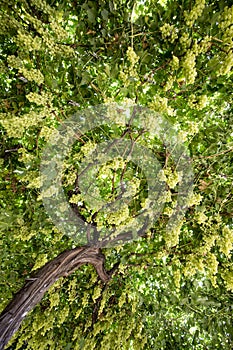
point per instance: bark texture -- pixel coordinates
(35, 287)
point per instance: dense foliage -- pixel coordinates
(171, 290)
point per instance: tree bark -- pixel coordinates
(35, 287)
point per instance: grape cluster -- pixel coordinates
(33, 75)
(212, 263)
(28, 42)
(172, 177)
(204, 45)
(185, 40)
(14, 61)
(201, 218)
(198, 103)
(172, 237)
(169, 83)
(191, 17)
(189, 69)
(160, 104)
(228, 278)
(225, 242)
(132, 56)
(169, 32)
(226, 18)
(39, 99)
(226, 65)
(128, 74)
(194, 199)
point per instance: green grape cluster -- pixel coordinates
(169, 83)
(41, 260)
(211, 263)
(189, 70)
(14, 62)
(227, 275)
(194, 199)
(201, 218)
(172, 237)
(172, 177)
(169, 32)
(177, 278)
(59, 32)
(160, 104)
(204, 45)
(194, 263)
(33, 75)
(226, 65)
(226, 18)
(16, 126)
(128, 74)
(133, 58)
(192, 16)
(28, 42)
(40, 99)
(198, 103)
(175, 62)
(185, 40)
(225, 242)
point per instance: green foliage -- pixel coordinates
(170, 291)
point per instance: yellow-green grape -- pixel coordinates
(209, 242)
(194, 199)
(88, 148)
(226, 65)
(212, 263)
(160, 104)
(201, 218)
(191, 17)
(169, 84)
(185, 40)
(165, 197)
(40, 261)
(97, 292)
(172, 177)
(30, 43)
(60, 32)
(189, 70)
(227, 275)
(119, 216)
(202, 103)
(172, 237)
(33, 75)
(226, 18)
(14, 61)
(168, 211)
(204, 44)
(193, 264)
(63, 315)
(169, 32)
(40, 99)
(124, 76)
(177, 278)
(225, 242)
(198, 103)
(175, 62)
(132, 56)
(54, 299)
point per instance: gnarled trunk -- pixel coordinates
(34, 288)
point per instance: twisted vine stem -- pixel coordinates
(35, 287)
